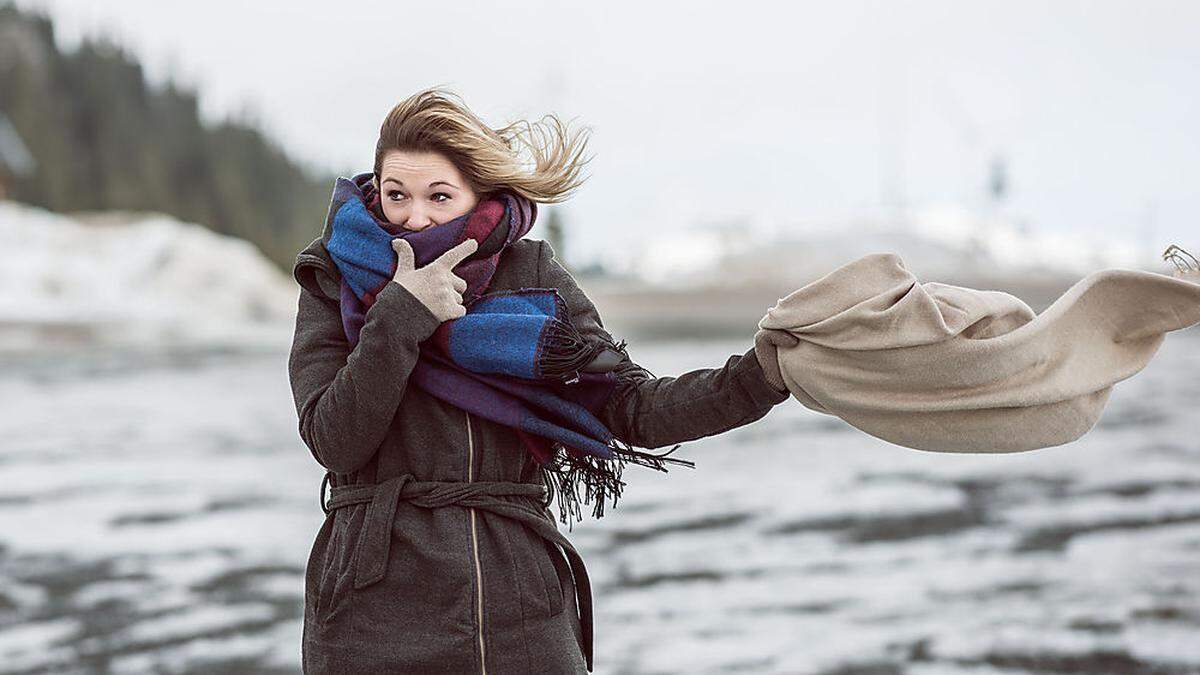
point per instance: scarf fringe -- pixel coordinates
(600, 478)
(565, 350)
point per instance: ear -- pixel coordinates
(375, 181)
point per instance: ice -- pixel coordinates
(136, 530)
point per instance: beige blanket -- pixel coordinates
(945, 368)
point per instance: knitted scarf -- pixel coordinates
(513, 358)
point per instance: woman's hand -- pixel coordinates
(766, 344)
(435, 285)
(1187, 267)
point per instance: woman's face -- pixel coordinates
(422, 189)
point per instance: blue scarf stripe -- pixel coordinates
(502, 302)
(362, 250)
(497, 343)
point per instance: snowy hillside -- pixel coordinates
(134, 279)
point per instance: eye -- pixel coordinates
(392, 194)
(447, 197)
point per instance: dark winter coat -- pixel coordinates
(399, 583)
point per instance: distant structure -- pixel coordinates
(998, 179)
(555, 235)
(15, 159)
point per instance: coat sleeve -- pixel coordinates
(652, 412)
(345, 398)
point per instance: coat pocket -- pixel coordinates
(334, 585)
(551, 572)
(562, 573)
(541, 590)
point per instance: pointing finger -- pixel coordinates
(458, 253)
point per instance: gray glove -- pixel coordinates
(766, 344)
(435, 285)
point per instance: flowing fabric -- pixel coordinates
(944, 368)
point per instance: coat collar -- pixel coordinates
(314, 268)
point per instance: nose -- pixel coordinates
(418, 221)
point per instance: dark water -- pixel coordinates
(156, 512)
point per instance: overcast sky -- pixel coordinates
(786, 115)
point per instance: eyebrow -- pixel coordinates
(436, 182)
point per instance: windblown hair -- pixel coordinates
(436, 119)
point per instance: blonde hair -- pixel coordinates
(436, 119)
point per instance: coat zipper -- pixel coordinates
(475, 547)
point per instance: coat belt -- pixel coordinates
(375, 541)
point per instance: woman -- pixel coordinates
(438, 553)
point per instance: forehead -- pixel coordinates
(403, 162)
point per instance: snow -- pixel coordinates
(694, 571)
(135, 280)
